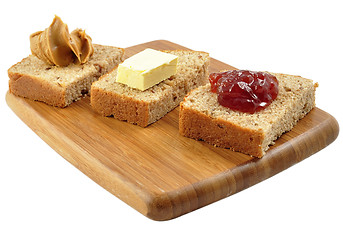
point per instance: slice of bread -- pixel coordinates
(60, 86)
(203, 118)
(109, 97)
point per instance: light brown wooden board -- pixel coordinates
(155, 170)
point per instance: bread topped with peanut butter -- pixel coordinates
(62, 66)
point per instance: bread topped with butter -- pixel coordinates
(112, 98)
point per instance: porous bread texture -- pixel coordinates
(60, 86)
(201, 117)
(111, 98)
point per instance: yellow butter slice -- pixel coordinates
(147, 68)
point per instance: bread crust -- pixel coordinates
(119, 106)
(36, 89)
(218, 132)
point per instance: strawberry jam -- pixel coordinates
(243, 90)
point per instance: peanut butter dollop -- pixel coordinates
(56, 46)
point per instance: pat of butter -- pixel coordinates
(146, 68)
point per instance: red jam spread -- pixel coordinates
(243, 90)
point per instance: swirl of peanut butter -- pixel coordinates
(56, 46)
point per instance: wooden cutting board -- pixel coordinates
(155, 170)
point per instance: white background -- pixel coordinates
(42, 196)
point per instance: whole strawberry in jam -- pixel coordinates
(243, 90)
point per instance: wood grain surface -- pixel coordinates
(155, 170)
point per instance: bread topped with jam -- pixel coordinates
(202, 117)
